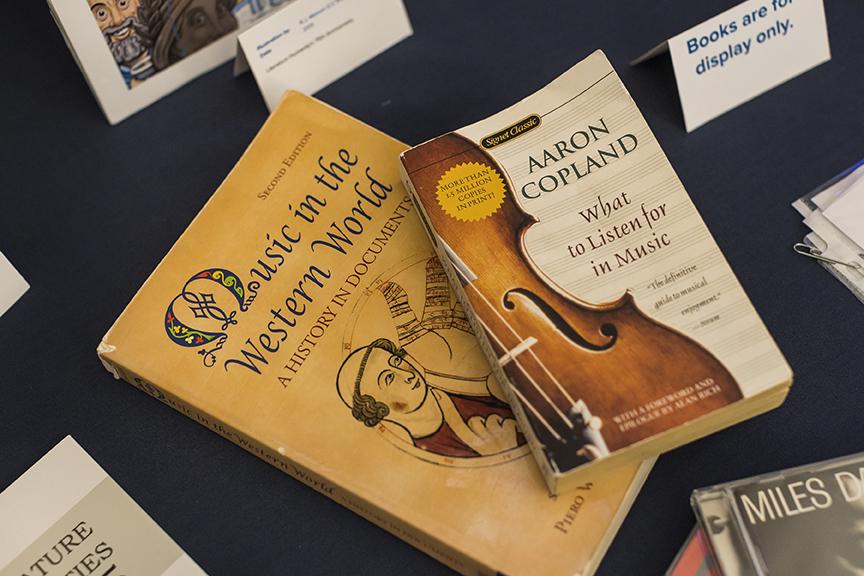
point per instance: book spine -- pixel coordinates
(549, 476)
(447, 554)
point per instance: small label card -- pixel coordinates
(744, 52)
(311, 43)
(12, 285)
(66, 516)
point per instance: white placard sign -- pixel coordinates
(12, 285)
(311, 43)
(66, 516)
(134, 52)
(744, 52)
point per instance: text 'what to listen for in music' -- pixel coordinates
(644, 219)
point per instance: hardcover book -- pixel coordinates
(304, 316)
(598, 293)
(66, 516)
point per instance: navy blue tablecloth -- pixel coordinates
(87, 210)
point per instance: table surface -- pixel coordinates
(87, 210)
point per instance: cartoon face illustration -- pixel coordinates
(146, 36)
(203, 22)
(189, 25)
(120, 24)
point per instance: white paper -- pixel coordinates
(744, 52)
(12, 285)
(837, 246)
(311, 43)
(829, 240)
(826, 197)
(846, 212)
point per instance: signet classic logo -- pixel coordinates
(200, 315)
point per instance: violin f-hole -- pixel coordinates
(608, 330)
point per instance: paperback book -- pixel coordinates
(599, 295)
(304, 316)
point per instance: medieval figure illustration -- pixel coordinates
(422, 384)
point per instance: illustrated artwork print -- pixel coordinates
(147, 36)
(414, 372)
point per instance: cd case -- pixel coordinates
(693, 559)
(801, 521)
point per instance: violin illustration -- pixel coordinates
(573, 364)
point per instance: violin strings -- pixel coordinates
(530, 351)
(537, 414)
(532, 381)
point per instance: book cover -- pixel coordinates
(750, 523)
(85, 524)
(598, 290)
(303, 315)
(134, 52)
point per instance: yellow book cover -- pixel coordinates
(596, 288)
(304, 316)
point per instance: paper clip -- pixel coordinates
(813, 252)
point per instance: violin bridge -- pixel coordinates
(516, 350)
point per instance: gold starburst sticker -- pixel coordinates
(470, 191)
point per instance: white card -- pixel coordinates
(838, 186)
(311, 43)
(65, 515)
(847, 213)
(134, 52)
(744, 52)
(12, 285)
